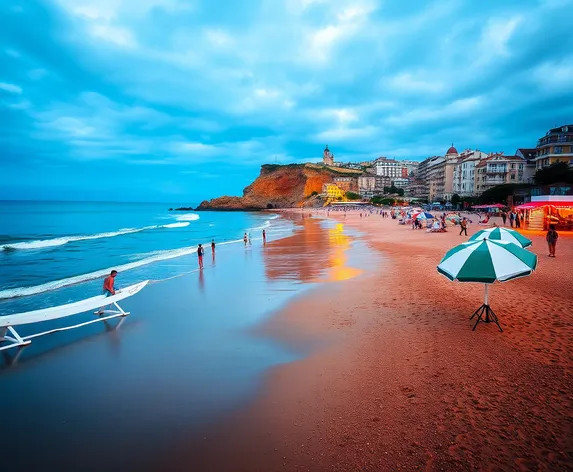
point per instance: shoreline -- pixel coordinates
(402, 382)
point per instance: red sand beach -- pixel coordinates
(402, 382)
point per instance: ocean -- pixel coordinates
(194, 349)
(57, 252)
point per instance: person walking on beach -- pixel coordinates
(551, 239)
(200, 253)
(213, 246)
(511, 218)
(108, 289)
(246, 239)
(464, 227)
(264, 236)
(517, 222)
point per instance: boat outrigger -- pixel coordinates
(9, 335)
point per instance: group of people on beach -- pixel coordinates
(516, 218)
(439, 225)
(201, 250)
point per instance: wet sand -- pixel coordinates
(400, 381)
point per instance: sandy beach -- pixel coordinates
(399, 381)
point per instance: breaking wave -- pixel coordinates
(187, 217)
(155, 256)
(47, 243)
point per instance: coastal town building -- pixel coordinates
(388, 167)
(367, 186)
(464, 172)
(555, 146)
(498, 169)
(347, 184)
(435, 176)
(529, 169)
(416, 189)
(400, 182)
(332, 191)
(327, 157)
(409, 168)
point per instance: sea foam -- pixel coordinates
(187, 217)
(155, 256)
(47, 243)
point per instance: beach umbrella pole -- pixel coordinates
(485, 313)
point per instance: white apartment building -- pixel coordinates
(388, 167)
(464, 172)
(401, 182)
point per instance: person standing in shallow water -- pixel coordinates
(551, 239)
(264, 236)
(108, 289)
(200, 253)
(246, 239)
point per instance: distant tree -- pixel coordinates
(456, 199)
(352, 196)
(394, 190)
(499, 193)
(469, 201)
(555, 173)
(382, 200)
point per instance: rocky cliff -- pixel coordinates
(278, 187)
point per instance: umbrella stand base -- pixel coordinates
(486, 315)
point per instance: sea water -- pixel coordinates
(53, 253)
(187, 357)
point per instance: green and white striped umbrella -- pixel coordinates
(502, 234)
(486, 261)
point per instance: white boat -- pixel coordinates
(8, 333)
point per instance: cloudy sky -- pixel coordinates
(180, 100)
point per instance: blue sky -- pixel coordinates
(177, 100)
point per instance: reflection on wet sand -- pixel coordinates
(314, 254)
(36, 352)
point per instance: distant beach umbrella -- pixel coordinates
(486, 261)
(454, 219)
(502, 234)
(424, 216)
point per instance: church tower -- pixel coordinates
(327, 157)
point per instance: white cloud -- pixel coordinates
(456, 109)
(12, 53)
(193, 148)
(71, 126)
(351, 20)
(555, 75)
(22, 105)
(343, 134)
(37, 74)
(218, 37)
(10, 88)
(114, 34)
(496, 35)
(415, 82)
